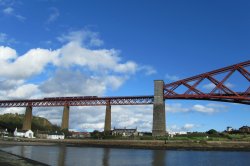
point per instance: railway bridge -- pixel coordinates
(220, 92)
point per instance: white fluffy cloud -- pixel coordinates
(189, 126)
(92, 118)
(7, 54)
(13, 110)
(101, 63)
(103, 60)
(206, 109)
(23, 91)
(171, 77)
(10, 89)
(76, 68)
(73, 83)
(10, 11)
(176, 107)
(21, 67)
(4, 38)
(53, 15)
(211, 86)
(74, 53)
(185, 128)
(133, 116)
(203, 109)
(85, 37)
(209, 108)
(149, 70)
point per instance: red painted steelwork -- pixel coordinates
(220, 92)
(78, 101)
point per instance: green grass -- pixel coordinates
(222, 137)
(216, 137)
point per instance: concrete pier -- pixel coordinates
(159, 120)
(107, 125)
(65, 118)
(27, 118)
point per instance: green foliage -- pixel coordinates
(196, 134)
(112, 137)
(212, 132)
(146, 137)
(66, 133)
(243, 137)
(147, 134)
(97, 134)
(107, 133)
(13, 121)
(40, 124)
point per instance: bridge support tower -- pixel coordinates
(159, 120)
(107, 125)
(27, 118)
(65, 118)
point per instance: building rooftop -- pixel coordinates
(56, 133)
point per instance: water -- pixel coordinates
(90, 156)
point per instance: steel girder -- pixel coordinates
(72, 101)
(220, 92)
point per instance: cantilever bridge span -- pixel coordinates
(221, 91)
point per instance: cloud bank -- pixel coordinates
(80, 67)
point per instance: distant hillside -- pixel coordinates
(13, 121)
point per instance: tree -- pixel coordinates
(212, 131)
(97, 134)
(66, 133)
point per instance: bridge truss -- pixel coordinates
(220, 91)
(79, 101)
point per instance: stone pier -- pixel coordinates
(159, 119)
(27, 118)
(107, 125)
(65, 118)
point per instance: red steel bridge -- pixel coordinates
(220, 92)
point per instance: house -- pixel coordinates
(80, 134)
(229, 129)
(125, 132)
(23, 133)
(4, 133)
(140, 134)
(244, 129)
(173, 133)
(56, 135)
(42, 134)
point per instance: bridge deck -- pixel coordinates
(78, 101)
(125, 100)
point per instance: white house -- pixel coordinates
(125, 132)
(172, 133)
(4, 133)
(80, 135)
(56, 135)
(229, 129)
(24, 133)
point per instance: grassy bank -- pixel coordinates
(144, 144)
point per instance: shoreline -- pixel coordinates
(136, 144)
(9, 159)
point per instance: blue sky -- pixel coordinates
(117, 48)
